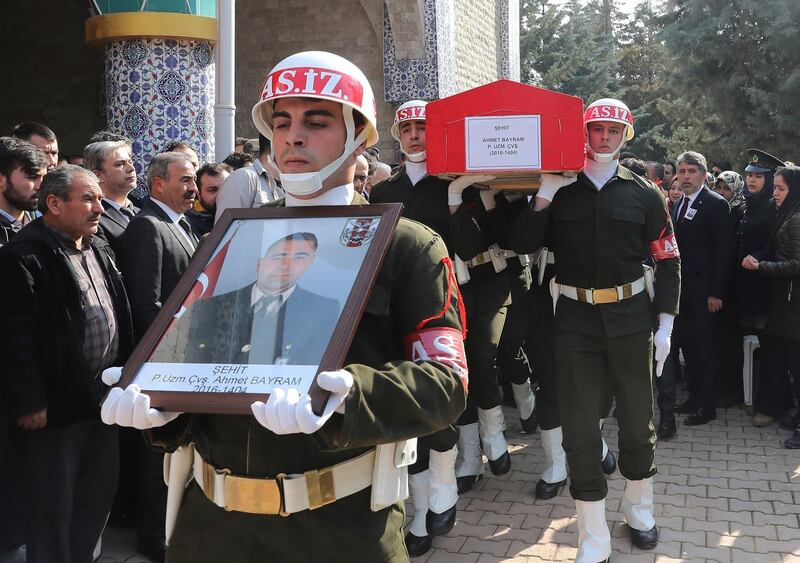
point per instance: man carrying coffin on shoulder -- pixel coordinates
(609, 230)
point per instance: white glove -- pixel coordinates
(457, 186)
(111, 376)
(487, 197)
(551, 183)
(131, 408)
(662, 340)
(289, 412)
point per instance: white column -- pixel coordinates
(224, 108)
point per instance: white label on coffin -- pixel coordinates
(510, 142)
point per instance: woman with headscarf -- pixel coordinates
(752, 238)
(782, 268)
(729, 184)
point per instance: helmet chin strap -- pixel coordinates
(605, 157)
(416, 157)
(308, 183)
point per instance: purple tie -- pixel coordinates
(684, 207)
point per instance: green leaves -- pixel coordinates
(717, 76)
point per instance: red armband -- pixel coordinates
(664, 248)
(438, 344)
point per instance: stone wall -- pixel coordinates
(267, 31)
(49, 73)
(476, 43)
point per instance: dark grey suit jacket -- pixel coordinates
(113, 223)
(154, 256)
(706, 244)
(220, 329)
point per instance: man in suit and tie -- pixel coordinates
(271, 321)
(705, 238)
(156, 248)
(112, 163)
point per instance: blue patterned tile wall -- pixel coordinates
(157, 91)
(409, 79)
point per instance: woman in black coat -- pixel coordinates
(781, 269)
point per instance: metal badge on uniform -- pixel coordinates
(690, 214)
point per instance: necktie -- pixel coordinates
(126, 213)
(684, 207)
(188, 228)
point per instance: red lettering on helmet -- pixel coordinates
(438, 344)
(316, 82)
(285, 79)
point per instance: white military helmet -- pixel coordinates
(409, 111)
(608, 109)
(324, 76)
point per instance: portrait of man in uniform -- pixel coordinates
(271, 321)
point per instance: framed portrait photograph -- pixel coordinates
(272, 297)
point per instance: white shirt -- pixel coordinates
(340, 195)
(599, 173)
(416, 171)
(256, 295)
(248, 187)
(175, 218)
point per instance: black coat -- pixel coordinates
(752, 238)
(113, 223)
(44, 316)
(706, 244)
(782, 270)
(154, 255)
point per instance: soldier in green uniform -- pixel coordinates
(542, 344)
(607, 230)
(286, 484)
(469, 228)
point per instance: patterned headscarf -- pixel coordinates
(736, 185)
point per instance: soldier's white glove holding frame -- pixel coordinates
(551, 183)
(288, 412)
(130, 407)
(662, 340)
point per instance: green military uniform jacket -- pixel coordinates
(601, 239)
(392, 399)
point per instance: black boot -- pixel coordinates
(545, 490)
(700, 416)
(466, 482)
(793, 443)
(416, 545)
(501, 465)
(791, 422)
(644, 540)
(609, 463)
(666, 426)
(686, 407)
(440, 524)
(530, 424)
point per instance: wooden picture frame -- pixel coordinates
(187, 359)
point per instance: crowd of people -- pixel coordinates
(570, 295)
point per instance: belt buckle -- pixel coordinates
(255, 496)
(320, 488)
(605, 295)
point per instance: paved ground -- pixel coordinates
(725, 492)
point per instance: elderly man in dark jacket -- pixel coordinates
(64, 298)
